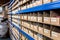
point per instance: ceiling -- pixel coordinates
(3, 2)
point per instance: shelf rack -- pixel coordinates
(44, 7)
(48, 6)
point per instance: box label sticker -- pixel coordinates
(46, 31)
(55, 34)
(53, 20)
(46, 19)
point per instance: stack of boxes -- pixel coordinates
(47, 17)
(55, 33)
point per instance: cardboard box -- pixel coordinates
(32, 17)
(40, 28)
(40, 37)
(23, 7)
(38, 2)
(22, 28)
(35, 36)
(54, 0)
(32, 25)
(55, 20)
(15, 16)
(25, 16)
(6, 8)
(22, 16)
(35, 26)
(46, 1)
(22, 22)
(47, 30)
(34, 4)
(16, 21)
(24, 1)
(30, 6)
(40, 17)
(29, 17)
(47, 20)
(26, 30)
(35, 15)
(47, 38)
(30, 33)
(21, 2)
(15, 34)
(16, 30)
(55, 34)
(28, 24)
(23, 37)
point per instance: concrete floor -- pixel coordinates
(5, 38)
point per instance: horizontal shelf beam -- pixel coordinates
(48, 6)
(11, 2)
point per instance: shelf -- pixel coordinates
(11, 2)
(29, 37)
(12, 34)
(40, 22)
(25, 2)
(34, 31)
(48, 6)
(37, 22)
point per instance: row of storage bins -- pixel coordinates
(48, 17)
(34, 3)
(24, 4)
(44, 29)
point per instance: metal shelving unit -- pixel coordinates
(45, 7)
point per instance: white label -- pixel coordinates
(53, 20)
(46, 31)
(46, 19)
(55, 34)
